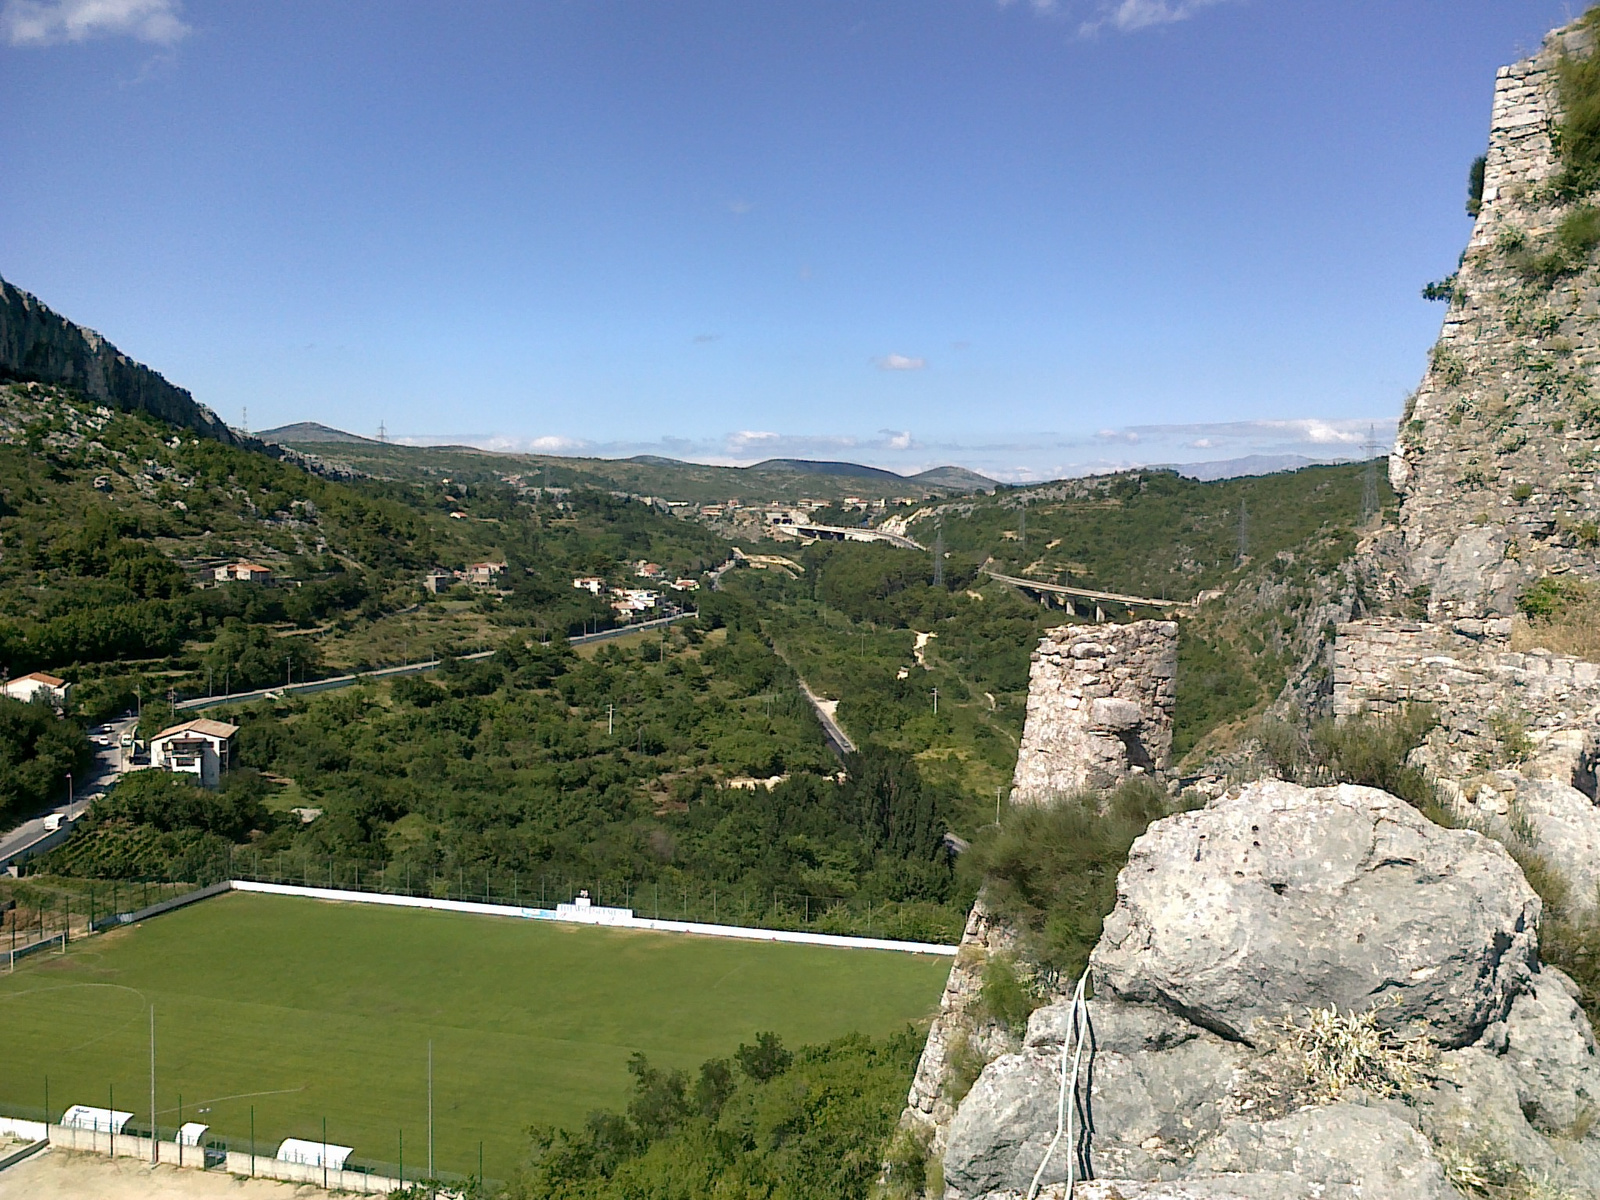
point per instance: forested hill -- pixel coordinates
(111, 525)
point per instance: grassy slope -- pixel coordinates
(308, 1010)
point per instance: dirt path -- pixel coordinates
(61, 1175)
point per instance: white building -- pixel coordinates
(201, 748)
(243, 572)
(26, 687)
(590, 583)
(632, 600)
(314, 1154)
(484, 572)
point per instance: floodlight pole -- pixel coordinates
(155, 1148)
(430, 1108)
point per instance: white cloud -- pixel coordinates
(739, 207)
(50, 22)
(896, 441)
(900, 362)
(749, 437)
(1130, 16)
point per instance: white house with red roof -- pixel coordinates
(202, 748)
(243, 572)
(26, 687)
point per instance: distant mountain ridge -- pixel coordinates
(38, 344)
(948, 478)
(312, 431)
(1250, 464)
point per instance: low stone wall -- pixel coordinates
(339, 1181)
(1099, 708)
(1478, 687)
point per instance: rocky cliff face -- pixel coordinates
(1495, 454)
(37, 343)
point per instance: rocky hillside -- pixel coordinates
(38, 344)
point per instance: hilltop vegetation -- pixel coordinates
(777, 480)
(110, 521)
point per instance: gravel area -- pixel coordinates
(62, 1175)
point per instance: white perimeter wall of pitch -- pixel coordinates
(704, 929)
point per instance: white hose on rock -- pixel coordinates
(1071, 1043)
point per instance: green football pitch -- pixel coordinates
(304, 1009)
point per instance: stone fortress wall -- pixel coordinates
(1483, 694)
(1494, 457)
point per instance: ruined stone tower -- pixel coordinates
(1099, 708)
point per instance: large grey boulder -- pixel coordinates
(1566, 828)
(1277, 897)
(1152, 1088)
(1370, 1149)
(1551, 1052)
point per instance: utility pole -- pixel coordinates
(610, 715)
(430, 1108)
(383, 433)
(938, 555)
(244, 420)
(936, 702)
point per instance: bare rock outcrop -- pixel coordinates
(1278, 897)
(1231, 920)
(38, 343)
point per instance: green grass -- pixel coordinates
(306, 1009)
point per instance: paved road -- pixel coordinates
(838, 741)
(333, 683)
(28, 836)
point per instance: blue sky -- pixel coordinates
(1030, 237)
